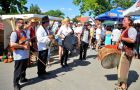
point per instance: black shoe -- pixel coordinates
(84, 58)
(138, 57)
(46, 73)
(41, 77)
(17, 87)
(63, 66)
(66, 65)
(80, 59)
(24, 80)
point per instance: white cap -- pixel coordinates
(79, 23)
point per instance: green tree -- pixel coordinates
(93, 6)
(96, 7)
(55, 13)
(13, 6)
(34, 9)
(123, 3)
(75, 19)
(1, 12)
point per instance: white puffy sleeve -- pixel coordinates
(41, 35)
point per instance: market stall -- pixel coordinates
(9, 23)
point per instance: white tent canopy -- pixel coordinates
(28, 16)
(9, 23)
(137, 21)
(133, 10)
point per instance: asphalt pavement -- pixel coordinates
(80, 75)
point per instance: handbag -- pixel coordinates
(128, 51)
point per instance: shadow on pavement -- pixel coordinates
(54, 73)
(77, 62)
(91, 56)
(111, 77)
(132, 77)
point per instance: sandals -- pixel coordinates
(119, 87)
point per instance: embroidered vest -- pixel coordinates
(129, 45)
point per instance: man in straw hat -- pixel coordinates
(32, 29)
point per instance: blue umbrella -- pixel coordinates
(113, 14)
(135, 17)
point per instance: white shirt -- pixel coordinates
(19, 54)
(85, 37)
(42, 38)
(98, 33)
(79, 30)
(132, 33)
(64, 30)
(116, 35)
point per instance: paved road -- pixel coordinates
(81, 75)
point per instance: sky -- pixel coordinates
(66, 6)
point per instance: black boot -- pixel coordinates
(23, 80)
(16, 87)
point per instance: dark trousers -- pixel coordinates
(20, 70)
(64, 57)
(137, 49)
(42, 60)
(83, 50)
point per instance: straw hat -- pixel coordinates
(34, 20)
(65, 20)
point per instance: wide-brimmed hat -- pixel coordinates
(34, 20)
(65, 20)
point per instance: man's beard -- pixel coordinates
(21, 27)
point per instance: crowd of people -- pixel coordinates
(36, 37)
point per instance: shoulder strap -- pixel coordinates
(18, 36)
(46, 30)
(88, 34)
(24, 33)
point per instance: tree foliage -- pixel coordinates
(93, 6)
(13, 6)
(55, 13)
(34, 9)
(123, 3)
(96, 7)
(75, 19)
(1, 12)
